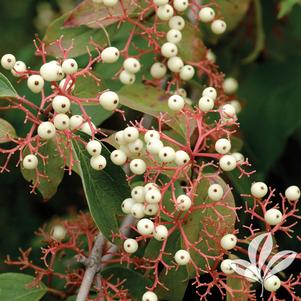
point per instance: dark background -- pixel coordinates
(270, 91)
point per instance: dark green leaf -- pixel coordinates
(105, 190)
(286, 7)
(53, 169)
(17, 287)
(7, 131)
(6, 88)
(236, 284)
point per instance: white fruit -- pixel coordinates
(238, 157)
(138, 210)
(35, 83)
(176, 102)
(110, 55)
(130, 134)
(183, 202)
(153, 196)
(272, 283)
(110, 3)
(236, 104)
(227, 266)
(70, 85)
(227, 163)
(59, 232)
(149, 296)
(228, 111)
(8, 61)
(160, 232)
(230, 85)
(210, 56)
(210, 92)
(175, 64)
(126, 77)
(137, 166)
(30, 162)
(180, 5)
(187, 72)
(86, 128)
(61, 121)
(176, 22)
(154, 146)
(61, 104)
(151, 209)
(94, 147)
(158, 70)
(165, 12)
(174, 36)
(98, 162)
(151, 134)
(75, 122)
(119, 138)
(215, 192)
(130, 245)
(145, 226)
(51, 71)
(169, 50)
(181, 158)
(292, 193)
(259, 189)
(228, 241)
(136, 146)
(19, 69)
(206, 104)
(223, 146)
(46, 130)
(273, 217)
(138, 194)
(218, 26)
(151, 186)
(118, 157)
(167, 154)
(206, 14)
(182, 257)
(131, 65)
(69, 66)
(127, 205)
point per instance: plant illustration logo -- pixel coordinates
(263, 264)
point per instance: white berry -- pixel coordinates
(136, 146)
(176, 22)
(210, 56)
(215, 192)
(153, 196)
(228, 111)
(176, 102)
(61, 104)
(8, 61)
(228, 241)
(154, 146)
(87, 128)
(180, 5)
(259, 189)
(273, 217)
(227, 266)
(94, 147)
(138, 194)
(292, 193)
(149, 296)
(181, 158)
(118, 157)
(187, 72)
(169, 50)
(218, 26)
(127, 205)
(59, 232)
(151, 134)
(230, 85)
(18, 69)
(30, 162)
(206, 104)
(183, 202)
(119, 138)
(272, 283)
(210, 92)
(137, 166)
(223, 146)
(51, 71)
(182, 257)
(130, 134)
(145, 226)
(130, 245)
(131, 65)
(110, 55)
(151, 209)
(161, 2)
(46, 130)
(206, 14)
(174, 36)
(69, 66)
(165, 12)
(158, 70)
(167, 154)
(175, 64)
(110, 3)
(160, 232)
(238, 157)
(98, 162)
(227, 163)
(126, 77)
(75, 122)
(61, 121)
(35, 83)
(138, 210)
(151, 186)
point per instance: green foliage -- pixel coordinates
(286, 7)
(18, 287)
(6, 130)
(6, 88)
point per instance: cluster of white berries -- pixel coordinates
(207, 15)
(131, 67)
(97, 161)
(165, 11)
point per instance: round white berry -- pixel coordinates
(223, 146)
(158, 70)
(227, 266)
(160, 232)
(8, 61)
(125, 149)
(227, 162)
(176, 22)
(151, 186)
(165, 12)
(215, 192)
(210, 92)
(69, 66)
(18, 69)
(167, 154)
(149, 296)
(131, 65)
(30, 162)
(181, 157)
(175, 64)
(174, 36)
(151, 209)
(138, 166)
(236, 104)
(206, 104)
(272, 283)
(61, 104)
(35, 83)
(169, 49)
(151, 134)
(87, 128)
(228, 111)
(118, 157)
(183, 202)
(59, 232)
(138, 210)
(110, 55)
(110, 3)
(259, 189)
(138, 194)
(154, 146)
(94, 147)
(119, 138)
(210, 56)
(182, 257)
(145, 226)
(61, 121)
(51, 71)
(136, 146)
(230, 85)
(273, 217)
(176, 102)
(187, 72)
(130, 134)
(206, 14)
(238, 157)
(252, 273)
(98, 162)
(130, 245)
(182, 92)
(292, 193)
(127, 205)
(75, 122)
(180, 5)
(218, 26)
(228, 241)
(70, 85)
(153, 196)
(126, 77)
(46, 130)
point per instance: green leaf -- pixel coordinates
(53, 169)
(286, 7)
(105, 190)
(135, 282)
(236, 284)
(6, 88)
(7, 131)
(16, 287)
